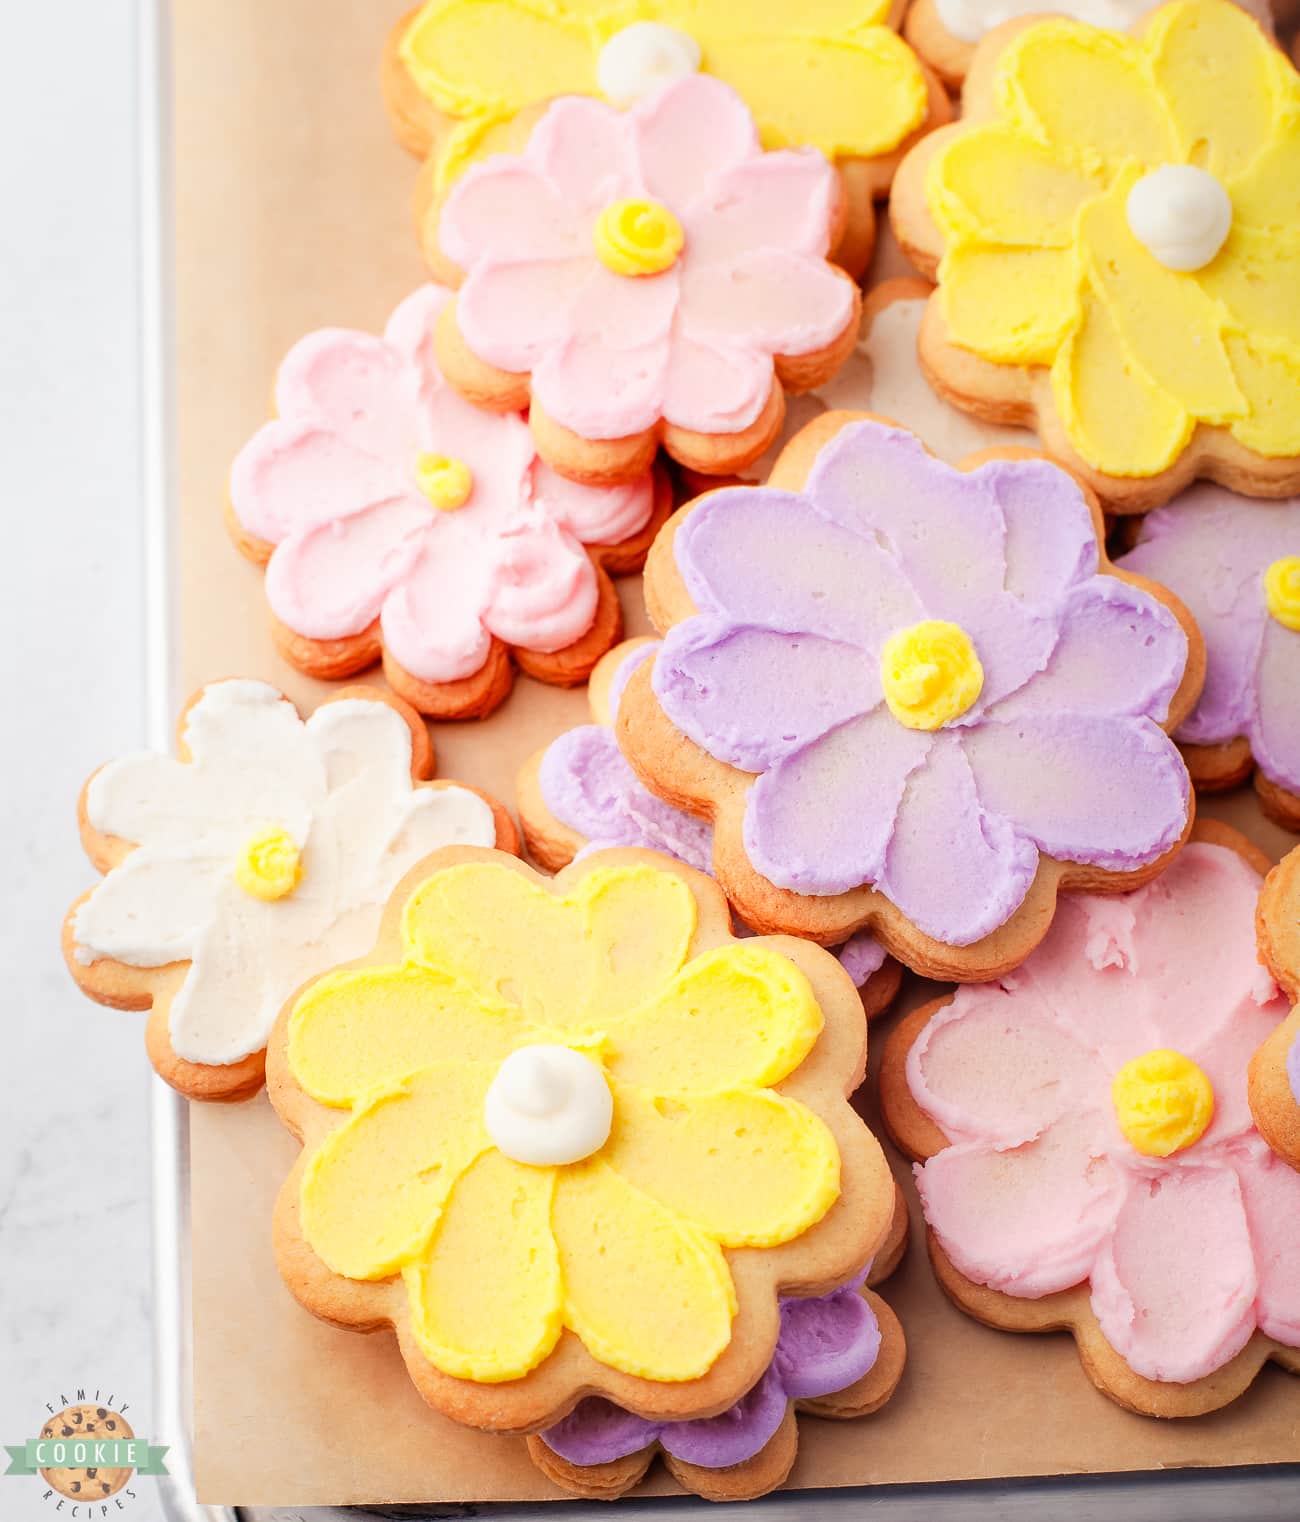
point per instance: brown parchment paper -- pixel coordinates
(292, 214)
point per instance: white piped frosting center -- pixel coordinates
(1181, 214)
(641, 58)
(548, 1105)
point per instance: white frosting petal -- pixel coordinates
(548, 1105)
(339, 784)
(641, 58)
(1181, 214)
(969, 20)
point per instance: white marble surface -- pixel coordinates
(74, 1163)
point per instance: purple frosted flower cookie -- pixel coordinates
(913, 698)
(1235, 562)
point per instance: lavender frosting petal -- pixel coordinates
(707, 675)
(1293, 1069)
(1275, 731)
(861, 956)
(824, 1346)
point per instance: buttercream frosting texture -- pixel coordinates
(826, 1344)
(388, 497)
(778, 673)
(611, 354)
(1184, 1256)
(1043, 264)
(335, 790)
(624, 1246)
(589, 786)
(1214, 549)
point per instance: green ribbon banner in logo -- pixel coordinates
(83, 1452)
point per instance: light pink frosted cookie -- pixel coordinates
(1087, 1154)
(398, 521)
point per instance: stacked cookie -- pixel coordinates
(965, 583)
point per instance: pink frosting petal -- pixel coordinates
(293, 476)
(433, 618)
(1272, 1194)
(1174, 1287)
(409, 331)
(741, 560)
(995, 1066)
(819, 821)
(767, 299)
(1275, 734)
(705, 680)
(1028, 1220)
(956, 869)
(594, 514)
(686, 135)
(1119, 652)
(623, 311)
(543, 587)
(779, 201)
(353, 385)
(1113, 792)
(505, 209)
(600, 391)
(585, 150)
(331, 581)
(713, 389)
(513, 314)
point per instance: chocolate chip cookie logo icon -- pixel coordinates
(86, 1453)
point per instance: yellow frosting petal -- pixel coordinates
(1215, 71)
(373, 1190)
(736, 1014)
(749, 1167)
(1269, 375)
(773, 18)
(1085, 93)
(352, 1030)
(1117, 419)
(994, 186)
(486, 1297)
(1015, 306)
(814, 91)
(1167, 323)
(1257, 278)
(1266, 197)
(646, 1291)
(575, 962)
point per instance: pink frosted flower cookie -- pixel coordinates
(579, 794)
(1236, 564)
(1087, 1158)
(397, 521)
(645, 277)
(912, 698)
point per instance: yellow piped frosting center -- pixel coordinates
(638, 237)
(445, 480)
(1282, 591)
(930, 674)
(1163, 1102)
(270, 865)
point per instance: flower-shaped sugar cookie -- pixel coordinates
(569, 1137)
(395, 519)
(945, 32)
(265, 854)
(1113, 228)
(1236, 564)
(839, 1355)
(462, 80)
(643, 277)
(1088, 1159)
(579, 794)
(912, 698)
(1275, 1067)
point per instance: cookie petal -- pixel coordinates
(544, 595)
(739, 1014)
(753, 696)
(354, 386)
(147, 910)
(1015, 306)
(1027, 1220)
(513, 314)
(1174, 1286)
(603, 390)
(486, 1296)
(687, 139)
(373, 1191)
(505, 210)
(768, 299)
(432, 618)
(778, 201)
(749, 1167)
(647, 1292)
(715, 387)
(351, 1030)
